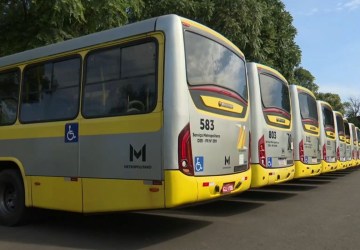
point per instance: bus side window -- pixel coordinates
(51, 91)
(120, 81)
(9, 92)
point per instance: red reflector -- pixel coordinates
(206, 184)
(154, 189)
(270, 173)
(246, 178)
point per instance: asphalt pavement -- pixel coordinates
(322, 212)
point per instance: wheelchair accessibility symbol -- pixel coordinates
(71, 132)
(199, 164)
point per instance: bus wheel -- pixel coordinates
(12, 198)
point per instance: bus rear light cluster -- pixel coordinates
(324, 152)
(184, 151)
(301, 151)
(262, 152)
(338, 153)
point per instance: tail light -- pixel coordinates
(262, 153)
(301, 151)
(184, 151)
(338, 153)
(324, 152)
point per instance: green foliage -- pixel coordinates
(26, 24)
(333, 99)
(262, 29)
(304, 78)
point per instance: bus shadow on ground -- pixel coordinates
(110, 231)
(264, 195)
(220, 208)
(290, 186)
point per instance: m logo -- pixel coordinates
(137, 154)
(227, 160)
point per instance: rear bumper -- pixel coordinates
(305, 170)
(328, 166)
(267, 176)
(342, 165)
(181, 189)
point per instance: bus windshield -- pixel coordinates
(274, 93)
(340, 124)
(210, 63)
(308, 108)
(328, 117)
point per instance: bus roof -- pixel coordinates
(275, 72)
(80, 42)
(305, 90)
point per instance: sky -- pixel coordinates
(328, 34)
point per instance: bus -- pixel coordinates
(340, 140)
(271, 126)
(354, 144)
(110, 122)
(327, 137)
(306, 132)
(348, 140)
(358, 151)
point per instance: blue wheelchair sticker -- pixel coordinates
(269, 162)
(71, 132)
(199, 163)
(306, 159)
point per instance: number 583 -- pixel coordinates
(207, 124)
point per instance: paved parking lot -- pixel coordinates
(318, 213)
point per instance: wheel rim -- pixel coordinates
(8, 199)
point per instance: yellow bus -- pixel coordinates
(358, 142)
(348, 140)
(271, 126)
(340, 140)
(137, 117)
(354, 144)
(327, 137)
(306, 132)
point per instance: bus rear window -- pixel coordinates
(328, 117)
(347, 130)
(340, 125)
(274, 93)
(210, 63)
(308, 108)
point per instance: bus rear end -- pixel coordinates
(305, 132)
(271, 141)
(348, 140)
(340, 140)
(327, 137)
(354, 145)
(206, 110)
(358, 151)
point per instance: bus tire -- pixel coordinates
(12, 198)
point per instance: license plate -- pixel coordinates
(282, 162)
(227, 188)
(314, 160)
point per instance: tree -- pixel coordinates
(352, 110)
(333, 99)
(26, 24)
(262, 29)
(278, 46)
(304, 78)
